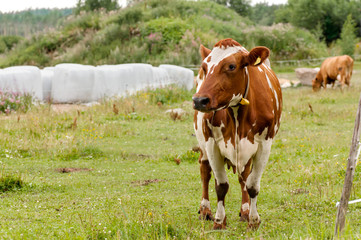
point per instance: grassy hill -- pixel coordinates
(157, 31)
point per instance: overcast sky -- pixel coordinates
(18, 5)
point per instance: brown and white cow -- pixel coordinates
(238, 107)
(332, 69)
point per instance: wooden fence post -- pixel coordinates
(350, 171)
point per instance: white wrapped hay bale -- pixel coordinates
(22, 79)
(73, 83)
(47, 75)
(113, 81)
(160, 77)
(141, 79)
(179, 75)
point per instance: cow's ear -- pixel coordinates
(204, 51)
(257, 55)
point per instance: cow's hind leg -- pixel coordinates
(254, 180)
(244, 212)
(205, 208)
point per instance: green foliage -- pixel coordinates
(286, 41)
(156, 32)
(94, 5)
(263, 14)
(8, 42)
(171, 29)
(348, 37)
(330, 14)
(242, 7)
(130, 16)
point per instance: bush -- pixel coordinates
(286, 42)
(130, 16)
(8, 42)
(171, 29)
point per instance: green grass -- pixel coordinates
(130, 187)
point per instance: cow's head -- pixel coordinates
(317, 83)
(223, 77)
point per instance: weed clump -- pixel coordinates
(12, 101)
(9, 182)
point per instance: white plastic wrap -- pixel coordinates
(73, 83)
(160, 77)
(113, 81)
(179, 75)
(47, 75)
(141, 79)
(22, 79)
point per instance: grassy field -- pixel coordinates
(114, 176)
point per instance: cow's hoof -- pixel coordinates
(253, 226)
(217, 226)
(205, 214)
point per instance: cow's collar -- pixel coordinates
(244, 100)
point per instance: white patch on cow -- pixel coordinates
(269, 82)
(254, 218)
(243, 49)
(218, 54)
(199, 82)
(220, 108)
(200, 135)
(274, 91)
(221, 213)
(245, 207)
(267, 64)
(205, 203)
(275, 128)
(338, 77)
(216, 160)
(235, 100)
(260, 69)
(259, 162)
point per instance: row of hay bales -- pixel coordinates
(76, 83)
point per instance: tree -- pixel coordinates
(328, 14)
(242, 7)
(93, 5)
(348, 36)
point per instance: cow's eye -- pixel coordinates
(232, 67)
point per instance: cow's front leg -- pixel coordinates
(220, 219)
(244, 212)
(254, 181)
(217, 164)
(205, 208)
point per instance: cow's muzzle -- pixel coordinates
(200, 103)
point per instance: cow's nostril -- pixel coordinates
(200, 103)
(203, 101)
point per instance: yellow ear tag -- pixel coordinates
(257, 61)
(244, 101)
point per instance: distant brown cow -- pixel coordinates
(332, 69)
